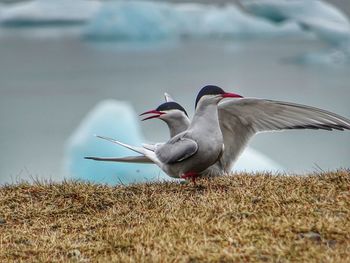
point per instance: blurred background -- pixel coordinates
(59, 58)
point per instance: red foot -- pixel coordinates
(191, 175)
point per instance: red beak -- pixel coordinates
(157, 114)
(231, 95)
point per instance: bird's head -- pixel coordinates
(211, 94)
(167, 111)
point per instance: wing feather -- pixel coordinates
(240, 119)
(176, 150)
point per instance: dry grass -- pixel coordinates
(243, 218)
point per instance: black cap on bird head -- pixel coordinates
(167, 106)
(172, 105)
(214, 90)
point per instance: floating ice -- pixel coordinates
(133, 20)
(143, 20)
(281, 10)
(333, 33)
(324, 20)
(117, 120)
(229, 21)
(334, 58)
(336, 35)
(48, 12)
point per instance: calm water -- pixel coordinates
(48, 85)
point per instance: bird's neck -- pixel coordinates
(177, 126)
(207, 116)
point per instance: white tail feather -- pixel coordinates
(147, 153)
(133, 148)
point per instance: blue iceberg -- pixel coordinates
(333, 33)
(336, 35)
(231, 22)
(282, 10)
(144, 20)
(133, 21)
(331, 58)
(48, 12)
(322, 19)
(117, 120)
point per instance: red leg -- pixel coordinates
(190, 175)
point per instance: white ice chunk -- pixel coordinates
(113, 119)
(144, 20)
(280, 10)
(324, 20)
(48, 12)
(232, 22)
(332, 58)
(336, 35)
(333, 33)
(124, 20)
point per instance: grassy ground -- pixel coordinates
(243, 218)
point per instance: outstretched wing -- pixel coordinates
(176, 150)
(240, 119)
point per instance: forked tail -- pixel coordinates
(148, 155)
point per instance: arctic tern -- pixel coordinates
(192, 151)
(239, 120)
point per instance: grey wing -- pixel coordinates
(235, 135)
(240, 119)
(176, 150)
